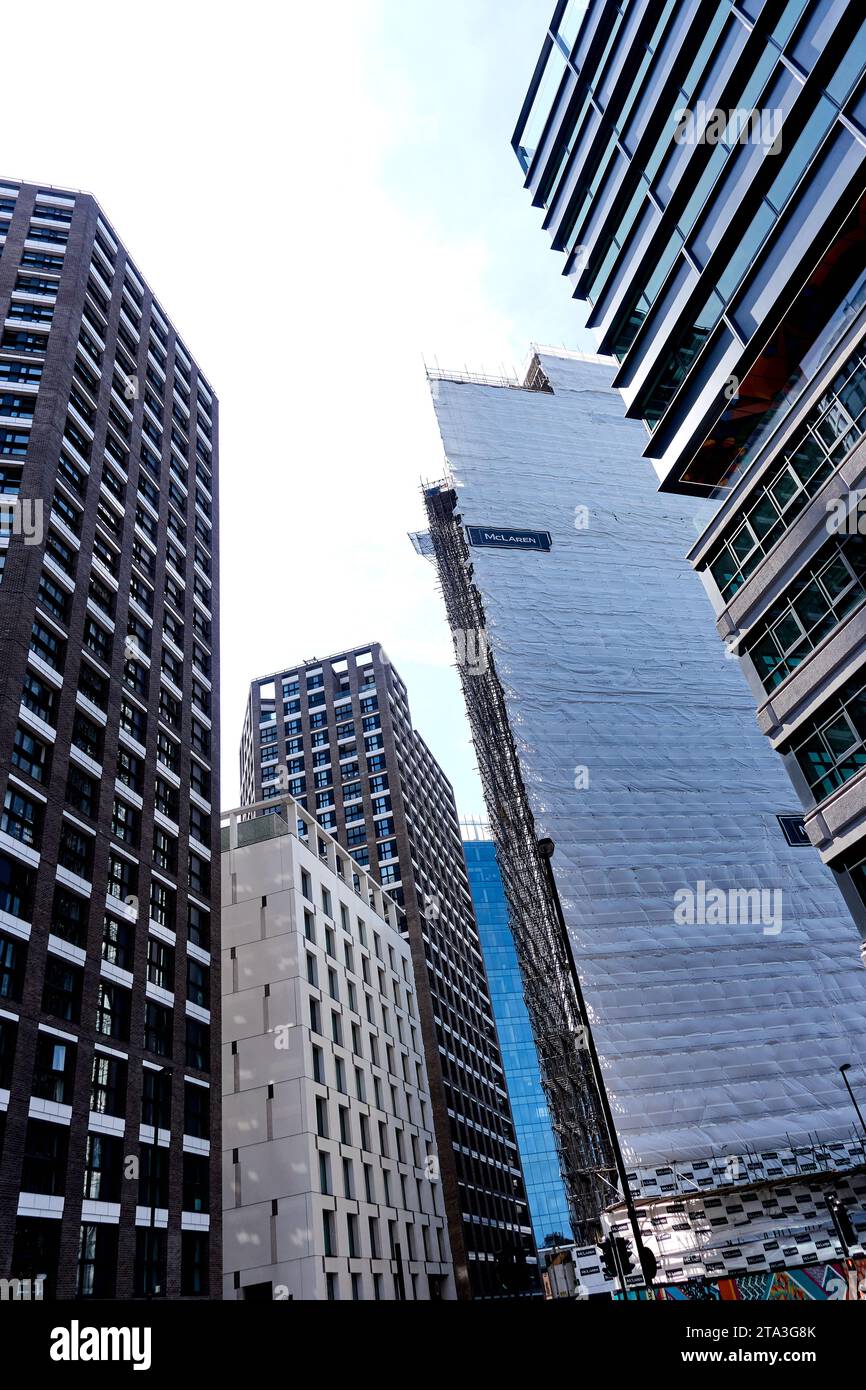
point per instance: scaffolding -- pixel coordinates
(559, 1019)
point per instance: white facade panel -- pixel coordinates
(643, 762)
(330, 1184)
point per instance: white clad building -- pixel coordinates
(717, 960)
(330, 1168)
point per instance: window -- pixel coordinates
(194, 1263)
(30, 755)
(122, 878)
(44, 1167)
(21, 818)
(160, 963)
(321, 1117)
(82, 792)
(198, 983)
(329, 1234)
(87, 736)
(108, 1085)
(198, 927)
(93, 686)
(306, 885)
(8, 1033)
(13, 958)
(54, 1070)
(130, 770)
(61, 993)
(125, 822)
(103, 1168)
(164, 851)
(199, 875)
(197, 1045)
(325, 1174)
(97, 1261)
(112, 1011)
(196, 1185)
(150, 1259)
(813, 605)
(39, 698)
(157, 1029)
(163, 904)
(196, 1121)
(156, 1098)
(153, 1176)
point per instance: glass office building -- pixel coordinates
(701, 165)
(547, 1201)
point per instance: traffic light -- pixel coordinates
(608, 1259)
(616, 1256)
(623, 1246)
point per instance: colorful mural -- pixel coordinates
(839, 1281)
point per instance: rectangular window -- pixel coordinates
(196, 1121)
(108, 1085)
(112, 1011)
(158, 1022)
(61, 992)
(103, 1168)
(13, 958)
(54, 1070)
(197, 1045)
(44, 1167)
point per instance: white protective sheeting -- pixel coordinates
(714, 1037)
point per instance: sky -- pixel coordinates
(324, 198)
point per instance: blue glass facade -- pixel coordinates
(547, 1204)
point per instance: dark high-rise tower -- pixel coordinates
(337, 734)
(109, 754)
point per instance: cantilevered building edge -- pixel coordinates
(720, 1038)
(702, 168)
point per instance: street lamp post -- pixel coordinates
(844, 1069)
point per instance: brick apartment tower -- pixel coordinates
(341, 731)
(109, 748)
